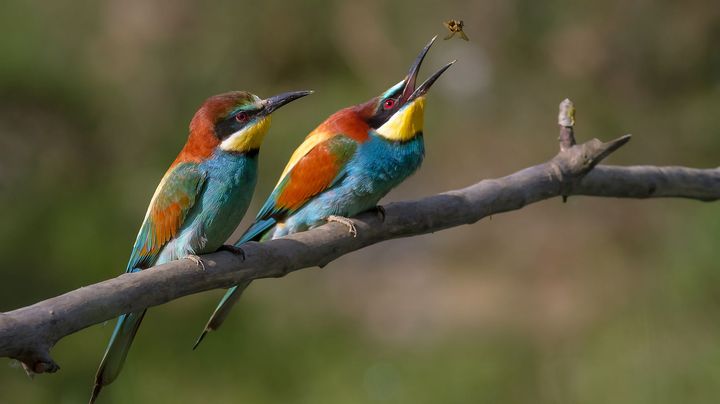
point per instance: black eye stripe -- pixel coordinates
(230, 124)
(383, 113)
(226, 127)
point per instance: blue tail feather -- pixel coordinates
(255, 232)
(117, 350)
(222, 310)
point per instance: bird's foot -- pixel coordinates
(345, 221)
(197, 260)
(380, 211)
(233, 250)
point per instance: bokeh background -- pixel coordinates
(592, 301)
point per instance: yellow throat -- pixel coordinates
(248, 138)
(406, 123)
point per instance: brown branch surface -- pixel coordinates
(28, 333)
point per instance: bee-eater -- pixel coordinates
(200, 200)
(344, 167)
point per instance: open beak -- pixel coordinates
(410, 92)
(425, 86)
(272, 103)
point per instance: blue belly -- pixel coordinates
(377, 167)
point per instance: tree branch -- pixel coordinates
(28, 333)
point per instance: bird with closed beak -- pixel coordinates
(200, 200)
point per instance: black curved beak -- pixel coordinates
(425, 86)
(272, 103)
(410, 92)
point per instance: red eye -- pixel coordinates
(241, 117)
(389, 103)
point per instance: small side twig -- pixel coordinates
(586, 155)
(566, 120)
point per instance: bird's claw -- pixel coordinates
(380, 210)
(233, 250)
(28, 370)
(345, 221)
(197, 260)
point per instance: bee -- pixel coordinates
(455, 27)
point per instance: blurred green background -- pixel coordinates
(593, 301)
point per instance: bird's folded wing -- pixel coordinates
(318, 169)
(174, 197)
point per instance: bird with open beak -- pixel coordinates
(344, 167)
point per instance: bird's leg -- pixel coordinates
(345, 221)
(197, 260)
(234, 250)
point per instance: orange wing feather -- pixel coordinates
(173, 198)
(346, 122)
(311, 174)
(317, 162)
